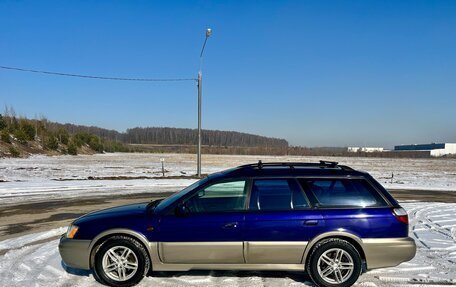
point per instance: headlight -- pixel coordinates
(71, 232)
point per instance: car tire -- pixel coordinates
(121, 261)
(334, 262)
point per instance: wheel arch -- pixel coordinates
(105, 235)
(349, 237)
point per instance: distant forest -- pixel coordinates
(179, 136)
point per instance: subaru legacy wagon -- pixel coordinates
(328, 220)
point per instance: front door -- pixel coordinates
(279, 223)
(210, 230)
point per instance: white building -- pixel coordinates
(434, 149)
(365, 149)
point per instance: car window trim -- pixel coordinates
(303, 192)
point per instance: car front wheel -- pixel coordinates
(121, 261)
(334, 263)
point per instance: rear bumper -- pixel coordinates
(388, 252)
(75, 253)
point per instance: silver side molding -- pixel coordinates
(274, 252)
(257, 255)
(201, 252)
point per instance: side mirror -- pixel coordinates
(182, 209)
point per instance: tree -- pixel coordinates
(72, 149)
(63, 136)
(28, 129)
(5, 136)
(52, 143)
(20, 136)
(95, 144)
(2, 122)
(10, 113)
(91, 140)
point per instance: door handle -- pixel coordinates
(311, 222)
(230, 225)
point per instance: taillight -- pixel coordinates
(401, 215)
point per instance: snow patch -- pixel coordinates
(17, 242)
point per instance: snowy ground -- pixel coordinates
(30, 262)
(41, 177)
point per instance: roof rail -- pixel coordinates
(329, 163)
(260, 164)
(321, 164)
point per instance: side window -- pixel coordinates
(276, 194)
(219, 197)
(344, 192)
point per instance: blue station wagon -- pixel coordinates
(328, 220)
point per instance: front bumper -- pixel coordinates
(75, 253)
(388, 252)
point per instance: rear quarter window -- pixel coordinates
(343, 193)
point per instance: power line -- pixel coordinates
(99, 77)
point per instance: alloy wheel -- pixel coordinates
(335, 266)
(120, 263)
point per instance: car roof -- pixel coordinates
(286, 169)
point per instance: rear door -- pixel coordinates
(352, 204)
(279, 223)
(211, 230)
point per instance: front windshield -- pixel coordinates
(169, 200)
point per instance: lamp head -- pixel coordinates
(208, 32)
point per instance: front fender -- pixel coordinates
(100, 238)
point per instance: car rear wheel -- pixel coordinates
(121, 261)
(334, 263)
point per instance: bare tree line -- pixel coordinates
(177, 136)
(154, 135)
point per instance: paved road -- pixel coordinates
(21, 219)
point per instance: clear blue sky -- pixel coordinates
(318, 73)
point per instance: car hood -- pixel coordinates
(130, 210)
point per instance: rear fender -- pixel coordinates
(333, 234)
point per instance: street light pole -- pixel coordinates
(200, 87)
(200, 94)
